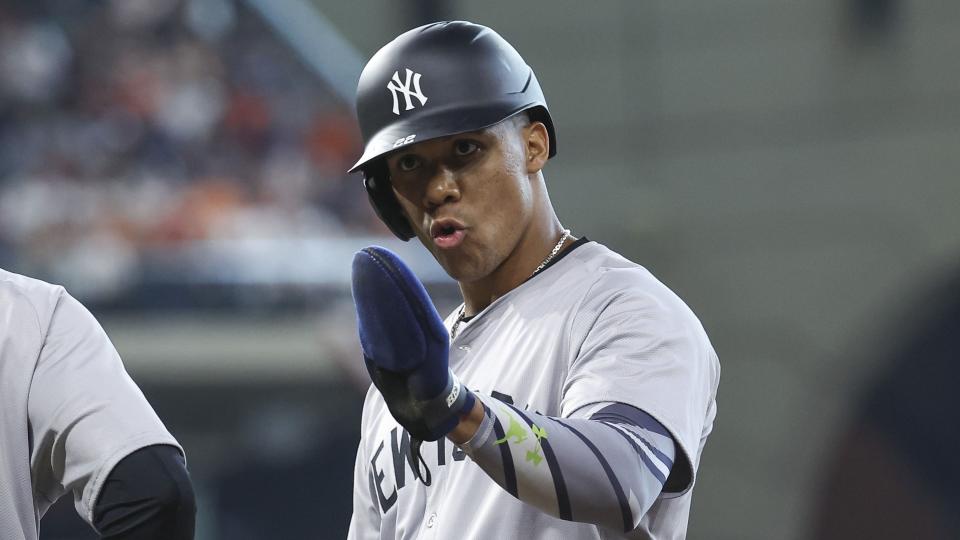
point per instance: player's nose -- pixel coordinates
(442, 187)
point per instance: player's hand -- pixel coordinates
(405, 346)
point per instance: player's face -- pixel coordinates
(469, 197)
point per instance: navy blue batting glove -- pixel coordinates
(405, 346)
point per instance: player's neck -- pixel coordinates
(532, 249)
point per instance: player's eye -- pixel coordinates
(408, 163)
(465, 147)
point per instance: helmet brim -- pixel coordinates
(439, 123)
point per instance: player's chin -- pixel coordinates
(459, 265)
(454, 265)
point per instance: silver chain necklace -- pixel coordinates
(553, 253)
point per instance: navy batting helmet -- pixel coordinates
(434, 81)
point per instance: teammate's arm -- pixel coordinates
(606, 467)
(147, 496)
(95, 435)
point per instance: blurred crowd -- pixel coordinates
(132, 128)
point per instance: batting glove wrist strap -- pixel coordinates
(426, 420)
(443, 412)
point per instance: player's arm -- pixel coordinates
(605, 467)
(593, 469)
(95, 435)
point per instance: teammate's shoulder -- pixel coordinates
(23, 292)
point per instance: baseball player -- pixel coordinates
(571, 394)
(73, 421)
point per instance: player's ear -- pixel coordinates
(537, 142)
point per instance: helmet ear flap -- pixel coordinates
(376, 178)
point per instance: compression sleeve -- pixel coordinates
(606, 468)
(147, 496)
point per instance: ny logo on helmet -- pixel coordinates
(396, 86)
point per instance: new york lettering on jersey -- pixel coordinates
(391, 461)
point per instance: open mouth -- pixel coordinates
(447, 233)
(446, 230)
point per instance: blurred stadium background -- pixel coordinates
(789, 168)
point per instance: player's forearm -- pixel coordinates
(575, 469)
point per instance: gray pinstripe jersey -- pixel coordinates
(69, 410)
(593, 328)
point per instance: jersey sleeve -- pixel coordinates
(86, 413)
(637, 343)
